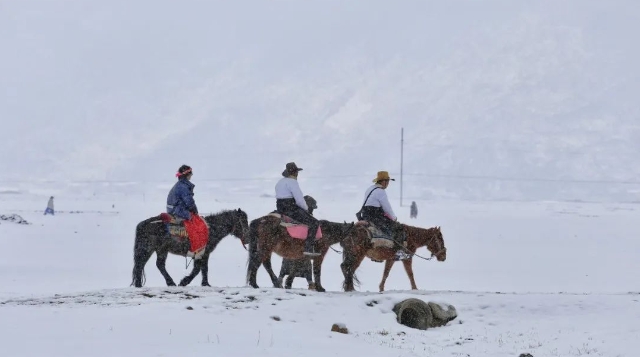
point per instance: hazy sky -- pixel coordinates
(507, 89)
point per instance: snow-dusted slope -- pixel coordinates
(499, 99)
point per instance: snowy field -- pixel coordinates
(546, 278)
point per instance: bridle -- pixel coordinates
(233, 230)
(433, 255)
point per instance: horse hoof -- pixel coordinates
(206, 284)
(287, 286)
(255, 286)
(171, 283)
(320, 289)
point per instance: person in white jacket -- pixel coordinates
(290, 202)
(377, 210)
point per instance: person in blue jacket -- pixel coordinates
(180, 202)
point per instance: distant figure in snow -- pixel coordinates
(414, 209)
(49, 209)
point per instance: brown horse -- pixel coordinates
(357, 249)
(152, 236)
(267, 236)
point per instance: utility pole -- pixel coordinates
(401, 160)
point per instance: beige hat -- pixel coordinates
(382, 176)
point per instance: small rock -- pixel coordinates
(340, 328)
(189, 308)
(526, 355)
(275, 318)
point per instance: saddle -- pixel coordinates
(195, 231)
(379, 239)
(294, 228)
(175, 226)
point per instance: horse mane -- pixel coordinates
(221, 216)
(422, 235)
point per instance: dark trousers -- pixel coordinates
(289, 208)
(376, 216)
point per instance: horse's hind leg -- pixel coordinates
(350, 262)
(267, 266)
(141, 257)
(388, 264)
(252, 270)
(160, 263)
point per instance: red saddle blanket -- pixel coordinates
(294, 228)
(197, 231)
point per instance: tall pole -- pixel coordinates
(401, 160)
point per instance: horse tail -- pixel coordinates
(253, 258)
(140, 254)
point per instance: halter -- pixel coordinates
(233, 229)
(444, 249)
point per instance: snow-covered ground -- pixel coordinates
(546, 278)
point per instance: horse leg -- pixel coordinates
(140, 259)
(161, 260)
(204, 270)
(197, 266)
(388, 264)
(289, 282)
(256, 259)
(408, 267)
(317, 266)
(348, 260)
(350, 263)
(267, 266)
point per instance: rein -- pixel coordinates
(433, 255)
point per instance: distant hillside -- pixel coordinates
(498, 99)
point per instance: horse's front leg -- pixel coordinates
(161, 261)
(388, 264)
(197, 265)
(204, 269)
(317, 272)
(408, 267)
(267, 266)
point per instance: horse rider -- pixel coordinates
(377, 210)
(180, 202)
(290, 202)
(301, 267)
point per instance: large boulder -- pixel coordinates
(421, 315)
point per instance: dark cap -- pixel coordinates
(291, 169)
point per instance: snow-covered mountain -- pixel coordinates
(498, 99)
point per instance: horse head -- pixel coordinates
(439, 250)
(240, 224)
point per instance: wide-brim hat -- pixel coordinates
(290, 169)
(382, 176)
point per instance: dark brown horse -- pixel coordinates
(357, 249)
(267, 236)
(152, 236)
